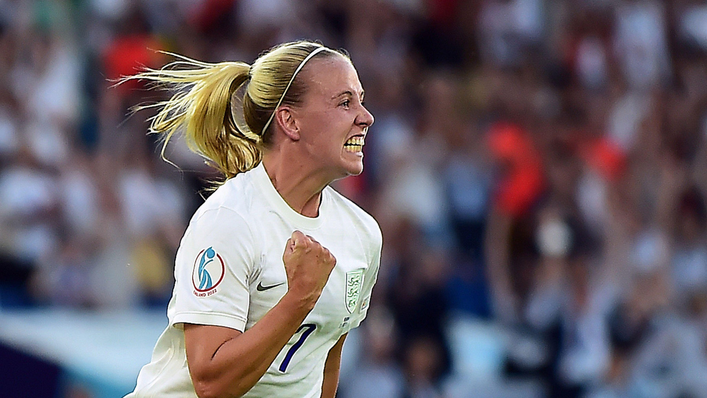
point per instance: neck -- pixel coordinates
(300, 186)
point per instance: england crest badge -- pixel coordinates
(354, 281)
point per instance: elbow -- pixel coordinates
(213, 389)
(206, 389)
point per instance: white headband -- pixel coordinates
(299, 68)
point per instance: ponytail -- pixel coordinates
(202, 106)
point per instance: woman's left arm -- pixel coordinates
(331, 369)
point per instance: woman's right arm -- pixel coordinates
(225, 362)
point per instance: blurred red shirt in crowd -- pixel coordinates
(522, 181)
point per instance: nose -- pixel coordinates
(365, 119)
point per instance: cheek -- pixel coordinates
(327, 131)
(331, 133)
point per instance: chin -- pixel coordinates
(354, 169)
(354, 173)
(349, 170)
(350, 165)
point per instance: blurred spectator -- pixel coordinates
(378, 374)
(538, 168)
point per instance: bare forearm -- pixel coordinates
(331, 370)
(240, 362)
(330, 384)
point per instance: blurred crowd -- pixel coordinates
(538, 168)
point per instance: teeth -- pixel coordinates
(353, 148)
(358, 141)
(354, 144)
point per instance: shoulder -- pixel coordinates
(364, 223)
(228, 210)
(235, 194)
(223, 223)
(233, 199)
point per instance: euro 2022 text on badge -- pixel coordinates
(208, 272)
(354, 281)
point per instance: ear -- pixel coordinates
(285, 118)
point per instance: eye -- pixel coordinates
(345, 103)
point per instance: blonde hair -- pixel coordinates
(225, 109)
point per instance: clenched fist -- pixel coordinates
(308, 265)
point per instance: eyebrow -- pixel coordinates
(349, 92)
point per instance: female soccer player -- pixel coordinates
(275, 267)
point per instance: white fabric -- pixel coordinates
(246, 224)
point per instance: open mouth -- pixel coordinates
(354, 144)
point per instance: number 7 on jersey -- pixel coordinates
(308, 329)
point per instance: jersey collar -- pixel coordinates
(264, 185)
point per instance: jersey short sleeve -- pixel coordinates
(213, 268)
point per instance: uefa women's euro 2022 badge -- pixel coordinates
(208, 272)
(354, 281)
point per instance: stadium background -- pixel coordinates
(538, 168)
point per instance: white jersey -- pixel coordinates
(229, 272)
